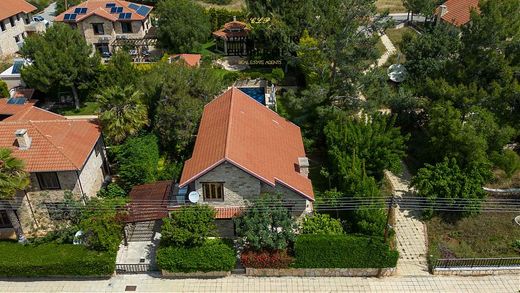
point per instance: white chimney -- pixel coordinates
(23, 139)
(303, 166)
(443, 10)
(234, 18)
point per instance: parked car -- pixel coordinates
(39, 18)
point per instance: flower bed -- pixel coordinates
(278, 259)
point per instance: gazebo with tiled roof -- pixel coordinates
(232, 39)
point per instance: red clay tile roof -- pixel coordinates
(13, 7)
(191, 59)
(26, 111)
(98, 7)
(458, 12)
(226, 32)
(228, 212)
(237, 129)
(57, 144)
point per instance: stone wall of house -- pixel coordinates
(87, 30)
(239, 186)
(91, 176)
(111, 29)
(7, 37)
(299, 205)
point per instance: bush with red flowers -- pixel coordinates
(276, 259)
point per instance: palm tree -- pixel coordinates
(122, 112)
(12, 179)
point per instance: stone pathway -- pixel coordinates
(390, 50)
(410, 231)
(147, 283)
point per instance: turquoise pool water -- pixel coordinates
(257, 93)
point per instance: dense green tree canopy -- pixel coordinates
(189, 226)
(182, 25)
(122, 112)
(60, 58)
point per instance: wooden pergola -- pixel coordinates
(233, 38)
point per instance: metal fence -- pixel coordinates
(133, 268)
(491, 263)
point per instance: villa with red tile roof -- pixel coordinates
(103, 22)
(243, 150)
(60, 155)
(15, 17)
(456, 12)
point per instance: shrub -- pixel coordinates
(277, 75)
(101, 225)
(17, 260)
(213, 255)
(516, 244)
(111, 191)
(189, 226)
(343, 251)
(322, 224)
(4, 91)
(509, 161)
(278, 259)
(63, 236)
(267, 225)
(370, 221)
(137, 161)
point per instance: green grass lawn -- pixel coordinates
(483, 235)
(394, 6)
(88, 108)
(396, 36)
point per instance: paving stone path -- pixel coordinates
(146, 283)
(390, 50)
(410, 231)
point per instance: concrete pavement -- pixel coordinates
(146, 283)
(48, 12)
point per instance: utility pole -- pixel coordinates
(66, 6)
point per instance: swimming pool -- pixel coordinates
(257, 93)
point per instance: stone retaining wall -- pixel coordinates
(476, 271)
(202, 275)
(333, 272)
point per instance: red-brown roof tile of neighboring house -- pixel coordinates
(26, 112)
(12, 7)
(458, 11)
(57, 144)
(193, 60)
(237, 129)
(99, 8)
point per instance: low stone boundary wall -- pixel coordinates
(201, 275)
(318, 272)
(476, 271)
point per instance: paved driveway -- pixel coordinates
(145, 283)
(48, 12)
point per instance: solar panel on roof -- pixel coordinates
(80, 10)
(116, 10)
(108, 5)
(16, 101)
(143, 10)
(17, 66)
(125, 15)
(133, 6)
(70, 16)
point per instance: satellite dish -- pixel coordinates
(194, 197)
(397, 73)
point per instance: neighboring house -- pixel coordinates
(192, 60)
(104, 22)
(233, 39)
(61, 155)
(12, 75)
(243, 150)
(456, 12)
(15, 24)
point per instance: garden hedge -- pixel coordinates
(343, 251)
(17, 260)
(213, 255)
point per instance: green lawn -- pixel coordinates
(394, 6)
(396, 35)
(88, 108)
(483, 235)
